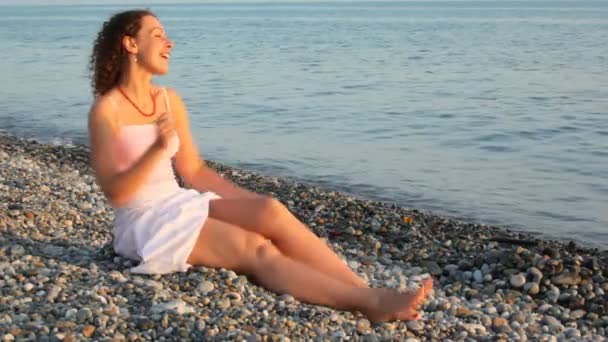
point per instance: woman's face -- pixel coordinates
(153, 47)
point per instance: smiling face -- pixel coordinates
(151, 46)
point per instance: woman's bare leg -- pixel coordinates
(270, 218)
(224, 245)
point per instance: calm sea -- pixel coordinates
(495, 111)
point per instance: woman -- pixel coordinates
(136, 127)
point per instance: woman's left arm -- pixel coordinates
(189, 163)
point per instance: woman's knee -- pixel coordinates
(221, 244)
(272, 208)
(263, 252)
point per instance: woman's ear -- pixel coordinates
(128, 43)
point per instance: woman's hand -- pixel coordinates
(166, 131)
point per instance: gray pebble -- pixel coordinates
(205, 287)
(517, 280)
(415, 325)
(478, 276)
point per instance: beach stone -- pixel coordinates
(236, 297)
(491, 310)
(17, 251)
(462, 311)
(502, 307)
(117, 276)
(53, 293)
(501, 325)
(432, 267)
(7, 269)
(70, 313)
(154, 285)
(518, 317)
(431, 306)
(553, 295)
(88, 331)
(64, 325)
(531, 288)
(339, 334)
(363, 326)
(572, 333)
(551, 322)
(353, 264)
(577, 314)
(566, 278)
(205, 287)
(83, 315)
(414, 325)
(223, 304)
(517, 280)
(478, 276)
(474, 329)
(535, 274)
(178, 306)
(592, 316)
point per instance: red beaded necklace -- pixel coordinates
(135, 105)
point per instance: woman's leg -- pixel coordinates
(223, 245)
(270, 218)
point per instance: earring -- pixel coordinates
(134, 58)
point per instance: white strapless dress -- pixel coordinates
(161, 223)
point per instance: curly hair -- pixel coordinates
(108, 56)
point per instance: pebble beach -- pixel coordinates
(60, 279)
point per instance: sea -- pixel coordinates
(489, 111)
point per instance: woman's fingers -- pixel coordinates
(165, 129)
(163, 119)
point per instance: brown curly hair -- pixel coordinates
(108, 56)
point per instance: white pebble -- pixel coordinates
(205, 287)
(518, 280)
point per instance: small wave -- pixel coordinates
(356, 86)
(599, 153)
(493, 148)
(326, 93)
(562, 217)
(493, 137)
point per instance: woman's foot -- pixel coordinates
(390, 304)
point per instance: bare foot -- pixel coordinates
(390, 304)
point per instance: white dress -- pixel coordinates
(159, 226)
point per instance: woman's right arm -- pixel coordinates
(119, 187)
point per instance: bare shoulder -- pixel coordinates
(175, 98)
(177, 105)
(102, 112)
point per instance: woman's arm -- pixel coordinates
(118, 187)
(191, 166)
(208, 179)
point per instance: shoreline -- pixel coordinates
(259, 171)
(493, 282)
